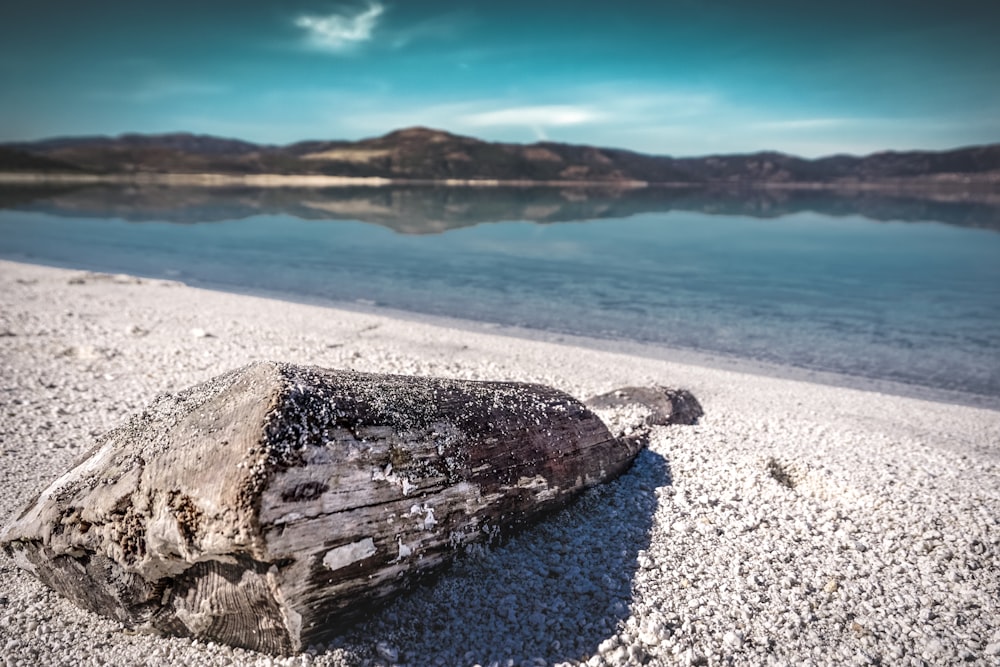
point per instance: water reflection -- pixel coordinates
(433, 210)
(796, 278)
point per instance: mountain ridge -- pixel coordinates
(427, 154)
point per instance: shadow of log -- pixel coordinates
(554, 591)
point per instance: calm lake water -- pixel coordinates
(884, 288)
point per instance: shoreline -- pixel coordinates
(795, 522)
(987, 184)
(691, 356)
(688, 356)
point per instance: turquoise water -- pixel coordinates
(915, 302)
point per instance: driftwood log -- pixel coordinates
(269, 506)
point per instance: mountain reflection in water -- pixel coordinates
(433, 210)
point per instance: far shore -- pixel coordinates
(980, 182)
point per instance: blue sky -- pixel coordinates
(677, 77)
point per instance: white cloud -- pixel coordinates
(554, 115)
(341, 32)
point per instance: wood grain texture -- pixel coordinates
(272, 505)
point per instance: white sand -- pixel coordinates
(882, 544)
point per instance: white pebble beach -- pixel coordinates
(796, 524)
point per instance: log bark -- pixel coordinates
(270, 506)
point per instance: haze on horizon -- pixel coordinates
(681, 77)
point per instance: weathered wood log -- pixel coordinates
(270, 506)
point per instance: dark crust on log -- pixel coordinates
(433, 435)
(270, 506)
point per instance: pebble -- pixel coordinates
(387, 651)
(652, 633)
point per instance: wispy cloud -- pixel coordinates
(341, 32)
(804, 123)
(592, 111)
(553, 115)
(635, 101)
(158, 88)
(434, 28)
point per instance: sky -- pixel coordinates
(672, 77)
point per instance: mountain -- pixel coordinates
(422, 154)
(18, 160)
(163, 153)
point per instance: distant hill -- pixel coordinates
(19, 160)
(422, 154)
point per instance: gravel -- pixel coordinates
(796, 523)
